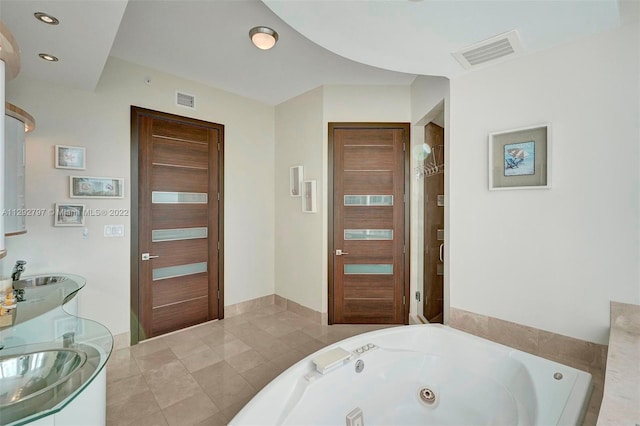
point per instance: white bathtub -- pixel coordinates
(475, 382)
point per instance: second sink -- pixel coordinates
(39, 281)
(28, 375)
(33, 288)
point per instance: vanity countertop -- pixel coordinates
(41, 299)
(621, 400)
(41, 323)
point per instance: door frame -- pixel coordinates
(134, 324)
(407, 206)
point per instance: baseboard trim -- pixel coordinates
(274, 299)
(303, 311)
(248, 306)
(576, 353)
(121, 341)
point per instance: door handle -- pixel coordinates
(147, 256)
(442, 252)
(340, 252)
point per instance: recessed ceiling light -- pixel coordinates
(47, 19)
(48, 57)
(263, 37)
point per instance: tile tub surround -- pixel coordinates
(621, 401)
(580, 354)
(205, 374)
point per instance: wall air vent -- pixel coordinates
(185, 100)
(489, 50)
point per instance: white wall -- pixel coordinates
(301, 138)
(100, 121)
(426, 93)
(298, 254)
(551, 259)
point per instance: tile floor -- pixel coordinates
(205, 374)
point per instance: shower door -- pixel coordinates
(368, 239)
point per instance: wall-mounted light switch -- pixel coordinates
(85, 233)
(114, 231)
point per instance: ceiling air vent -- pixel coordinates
(489, 50)
(185, 100)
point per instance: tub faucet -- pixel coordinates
(18, 269)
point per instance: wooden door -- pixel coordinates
(178, 220)
(434, 228)
(368, 241)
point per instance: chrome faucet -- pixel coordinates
(18, 269)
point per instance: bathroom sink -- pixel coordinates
(54, 288)
(26, 376)
(38, 281)
(42, 378)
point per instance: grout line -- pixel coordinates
(249, 320)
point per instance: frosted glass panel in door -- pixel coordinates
(368, 234)
(368, 200)
(161, 197)
(179, 271)
(158, 235)
(369, 269)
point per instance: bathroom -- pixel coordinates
(550, 260)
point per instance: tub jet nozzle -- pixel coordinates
(427, 396)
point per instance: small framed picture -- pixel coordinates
(520, 158)
(309, 196)
(295, 181)
(96, 187)
(70, 157)
(69, 215)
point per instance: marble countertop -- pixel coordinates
(621, 400)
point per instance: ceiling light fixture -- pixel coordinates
(48, 57)
(46, 18)
(263, 37)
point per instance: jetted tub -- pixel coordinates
(421, 375)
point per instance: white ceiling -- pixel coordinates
(321, 41)
(208, 41)
(419, 36)
(82, 41)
